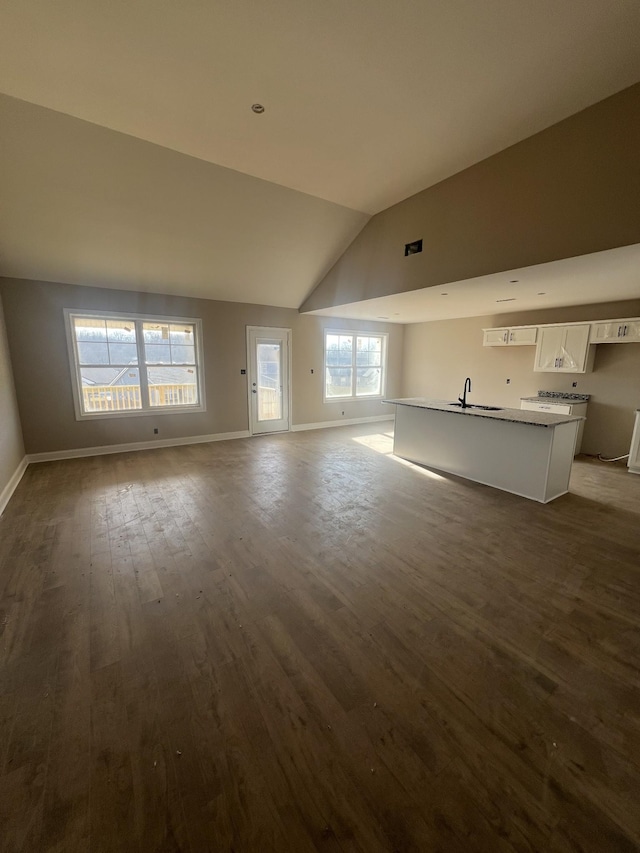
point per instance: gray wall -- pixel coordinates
(87, 205)
(570, 190)
(38, 347)
(439, 355)
(429, 359)
(11, 446)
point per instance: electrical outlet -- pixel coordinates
(342, 413)
(312, 369)
(155, 430)
(574, 384)
(508, 382)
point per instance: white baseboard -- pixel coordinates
(342, 422)
(12, 485)
(102, 450)
(135, 445)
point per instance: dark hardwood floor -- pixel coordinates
(301, 643)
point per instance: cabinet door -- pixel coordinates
(553, 408)
(549, 347)
(631, 330)
(523, 336)
(604, 332)
(495, 337)
(563, 349)
(573, 358)
(615, 331)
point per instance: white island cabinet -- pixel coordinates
(560, 406)
(526, 453)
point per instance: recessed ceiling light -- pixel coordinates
(382, 318)
(510, 299)
(542, 293)
(514, 281)
(444, 294)
(257, 108)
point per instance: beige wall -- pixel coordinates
(570, 190)
(438, 356)
(11, 446)
(38, 346)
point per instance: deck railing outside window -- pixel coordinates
(113, 398)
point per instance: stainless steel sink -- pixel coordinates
(475, 406)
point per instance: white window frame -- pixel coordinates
(361, 333)
(76, 380)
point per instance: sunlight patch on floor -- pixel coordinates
(383, 443)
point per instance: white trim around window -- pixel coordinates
(126, 365)
(354, 365)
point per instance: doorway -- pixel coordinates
(269, 366)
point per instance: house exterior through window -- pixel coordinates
(354, 365)
(128, 364)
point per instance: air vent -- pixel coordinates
(413, 248)
(511, 299)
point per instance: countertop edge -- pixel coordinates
(514, 416)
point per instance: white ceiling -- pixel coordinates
(366, 103)
(609, 276)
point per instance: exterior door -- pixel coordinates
(268, 358)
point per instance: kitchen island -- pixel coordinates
(526, 453)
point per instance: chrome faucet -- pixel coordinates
(463, 399)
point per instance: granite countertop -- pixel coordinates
(559, 397)
(520, 416)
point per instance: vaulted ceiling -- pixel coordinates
(130, 156)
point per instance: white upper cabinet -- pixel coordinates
(516, 336)
(564, 349)
(523, 335)
(616, 331)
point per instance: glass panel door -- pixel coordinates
(268, 360)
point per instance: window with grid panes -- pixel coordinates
(128, 364)
(354, 364)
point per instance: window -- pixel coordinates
(125, 365)
(354, 365)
